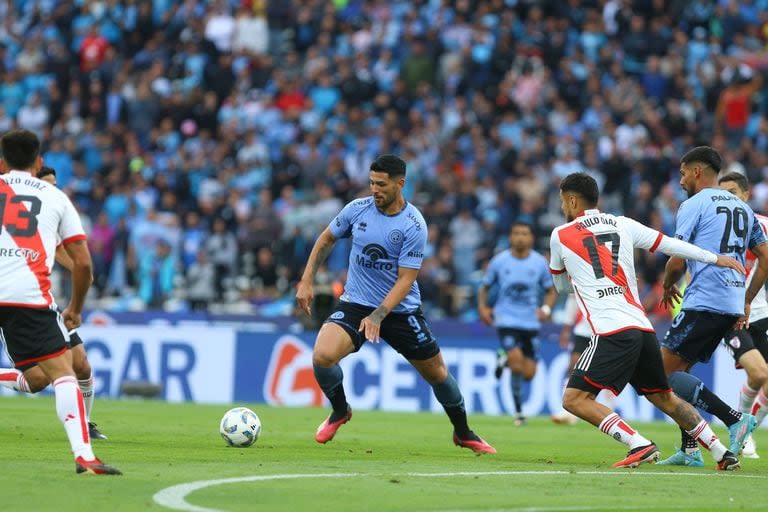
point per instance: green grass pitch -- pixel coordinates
(403, 462)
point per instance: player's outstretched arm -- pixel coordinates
(320, 251)
(82, 275)
(371, 325)
(679, 249)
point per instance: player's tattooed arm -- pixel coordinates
(322, 248)
(320, 251)
(379, 314)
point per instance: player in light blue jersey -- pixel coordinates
(716, 299)
(381, 298)
(525, 299)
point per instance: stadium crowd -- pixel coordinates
(206, 143)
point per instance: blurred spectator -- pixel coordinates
(156, 275)
(201, 282)
(734, 107)
(241, 127)
(101, 244)
(221, 246)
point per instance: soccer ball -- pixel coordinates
(240, 427)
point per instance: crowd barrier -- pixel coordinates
(208, 359)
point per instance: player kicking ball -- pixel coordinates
(593, 255)
(31, 378)
(381, 299)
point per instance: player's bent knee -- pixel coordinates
(82, 367)
(332, 344)
(324, 359)
(757, 370)
(759, 377)
(433, 370)
(36, 380)
(529, 371)
(686, 386)
(664, 401)
(574, 400)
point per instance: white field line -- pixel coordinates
(174, 497)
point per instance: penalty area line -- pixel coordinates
(175, 497)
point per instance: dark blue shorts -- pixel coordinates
(408, 333)
(523, 339)
(694, 335)
(740, 342)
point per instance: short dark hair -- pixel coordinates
(737, 178)
(582, 184)
(45, 171)
(522, 223)
(704, 155)
(20, 149)
(390, 164)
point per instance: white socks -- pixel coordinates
(746, 398)
(71, 411)
(708, 439)
(760, 407)
(86, 388)
(615, 427)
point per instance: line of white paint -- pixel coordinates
(175, 497)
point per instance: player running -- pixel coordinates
(31, 378)
(523, 278)
(715, 299)
(34, 216)
(749, 347)
(575, 323)
(593, 254)
(381, 299)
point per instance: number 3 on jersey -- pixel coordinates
(18, 219)
(592, 242)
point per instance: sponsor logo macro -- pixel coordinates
(371, 254)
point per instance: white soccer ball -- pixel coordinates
(240, 427)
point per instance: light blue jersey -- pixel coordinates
(381, 244)
(719, 222)
(522, 284)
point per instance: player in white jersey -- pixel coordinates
(749, 346)
(575, 323)
(593, 255)
(31, 378)
(34, 215)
